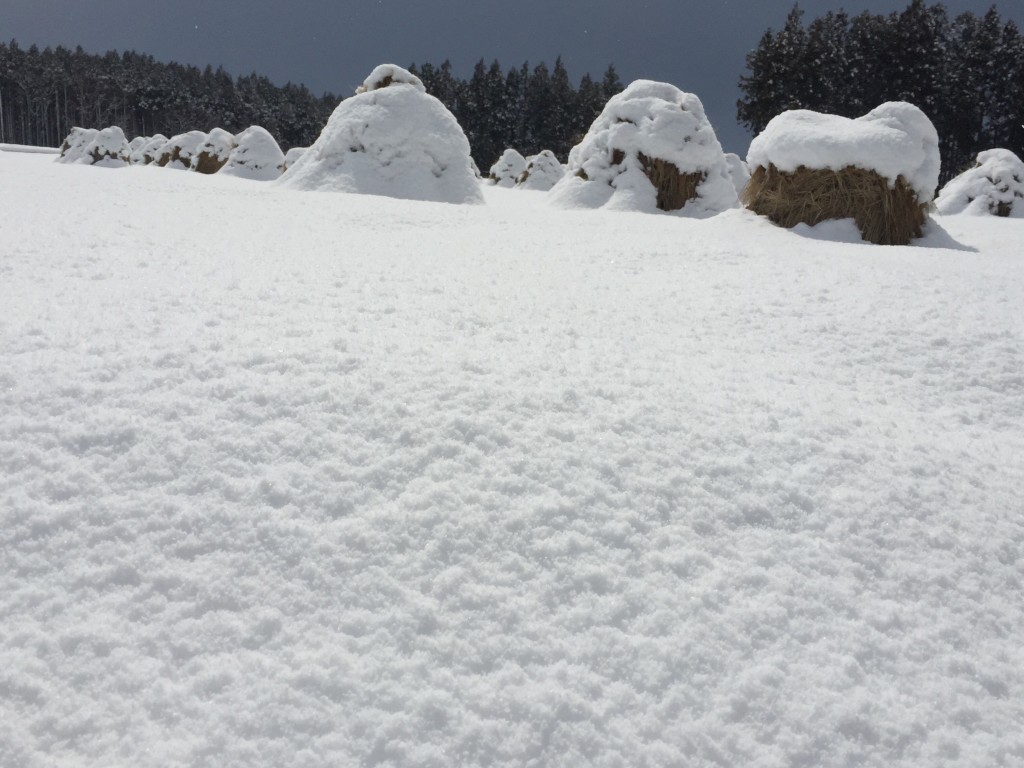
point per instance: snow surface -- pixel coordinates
(256, 156)
(29, 149)
(508, 168)
(349, 481)
(661, 122)
(396, 141)
(997, 179)
(894, 139)
(542, 172)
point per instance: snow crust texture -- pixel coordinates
(542, 172)
(394, 141)
(659, 122)
(256, 156)
(349, 481)
(994, 186)
(895, 139)
(507, 170)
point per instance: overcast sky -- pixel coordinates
(331, 45)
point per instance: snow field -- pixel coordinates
(345, 480)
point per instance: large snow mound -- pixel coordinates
(396, 141)
(895, 139)
(336, 480)
(648, 122)
(257, 156)
(507, 170)
(74, 146)
(179, 150)
(542, 172)
(994, 186)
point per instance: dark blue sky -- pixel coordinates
(331, 45)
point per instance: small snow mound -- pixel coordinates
(738, 172)
(214, 152)
(178, 152)
(257, 156)
(510, 166)
(893, 140)
(291, 157)
(542, 172)
(390, 74)
(149, 151)
(75, 144)
(994, 186)
(651, 148)
(396, 142)
(108, 149)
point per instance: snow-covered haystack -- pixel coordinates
(994, 186)
(508, 169)
(214, 152)
(881, 170)
(256, 156)
(542, 172)
(149, 151)
(179, 150)
(738, 172)
(74, 146)
(108, 149)
(135, 145)
(651, 148)
(391, 139)
(291, 157)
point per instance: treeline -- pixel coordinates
(965, 73)
(527, 108)
(43, 94)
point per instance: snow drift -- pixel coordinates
(651, 148)
(391, 139)
(994, 186)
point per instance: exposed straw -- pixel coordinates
(884, 215)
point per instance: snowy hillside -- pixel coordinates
(317, 479)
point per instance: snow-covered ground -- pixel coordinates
(314, 479)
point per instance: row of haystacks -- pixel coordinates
(995, 185)
(538, 172)
(251, 154)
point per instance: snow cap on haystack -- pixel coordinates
(178, 152)
(148, 152)
(256, 156)
(542, 172)
(74, 146)
(108, 149)
(392, 139)
(994, 186)
(291, 157)
(651, 148)
(508, 169)
(214, 152)
(880, 170)
(738, 172)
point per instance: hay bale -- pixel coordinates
(508, 169)
(651, 149)
(75, 145)
(109, 148)
(149, 151)
(879, 170)
(256, 156)
(213, 153)
(994, 186)
(178, 152)
(542, 172)
(394, 140)
(884, 214)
